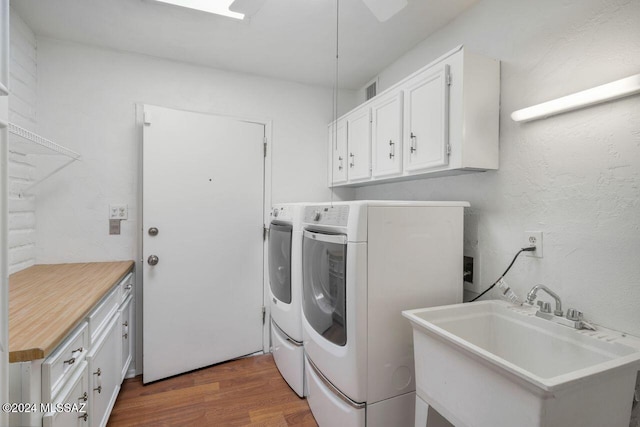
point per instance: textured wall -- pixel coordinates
(576, 176)
(21, 170)
(87, 99)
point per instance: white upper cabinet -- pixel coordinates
(386, 133)
(427, 120)
(338, 152)
(359, 144)
(440, 120)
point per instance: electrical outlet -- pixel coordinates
(534, 238)
(118, 212)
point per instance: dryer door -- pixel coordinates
(324, 258)
(280, 261)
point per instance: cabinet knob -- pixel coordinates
(153, 260)
(153, 231)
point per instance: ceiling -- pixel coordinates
(287, 39)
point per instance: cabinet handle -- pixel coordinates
(340, 167)
(353, 160)
(128, 287)
(98, 389)
(126, 323)
(84, 397)
(84, 417)
(413, 148)
(98, 372)
(80, 349)
(125, 336)
(70, 361)
(392, 149)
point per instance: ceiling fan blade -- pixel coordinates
(385, 9)
(248, 7)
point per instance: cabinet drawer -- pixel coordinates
(59, 366)
(74, 396)
(126, 287)
(100, 316)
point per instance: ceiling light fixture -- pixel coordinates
(617, 89)
(219, 7)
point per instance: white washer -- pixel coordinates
(285, 292)
(363, 263)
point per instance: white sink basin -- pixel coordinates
(493, 364)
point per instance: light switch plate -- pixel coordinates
(118, 212)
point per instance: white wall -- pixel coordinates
(87, 100)
(576, 177)
(22, 111)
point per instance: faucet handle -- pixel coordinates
(545, 307)
(574, 315)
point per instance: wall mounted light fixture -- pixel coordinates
(617, 89)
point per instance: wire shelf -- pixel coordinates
(32, 143)
(42, 142)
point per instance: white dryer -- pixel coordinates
(363, 263)
(285, 292)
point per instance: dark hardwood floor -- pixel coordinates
(243, 392)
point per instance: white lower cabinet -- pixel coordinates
(105, 370)
(126, 316)
(71, 408)
(78, 383)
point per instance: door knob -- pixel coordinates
(153, 260)
(153, 231)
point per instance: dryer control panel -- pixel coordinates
(327, 215)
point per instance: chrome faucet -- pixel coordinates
(574, 317)
(531, 297)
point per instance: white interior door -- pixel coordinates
(203, 191)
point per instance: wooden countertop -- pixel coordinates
(47, 301)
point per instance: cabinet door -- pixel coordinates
(359, 144)
(126, 316)
(104, 373)
(338, 152)
(386, 130)
(73, 402)
(426, 139)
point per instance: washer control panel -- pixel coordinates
(327, 215)
(282, 213)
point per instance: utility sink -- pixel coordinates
(492, 364)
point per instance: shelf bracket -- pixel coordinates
(53, 172)
(50, 148)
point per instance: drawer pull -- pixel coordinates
(125, 336)
(98, 389)
(84, 397)
(98, 372)
(70, 361)
(128, 287)
(84, 417)
(79, 349)
(125, 323)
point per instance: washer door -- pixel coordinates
(280, 261)
(324, 258)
